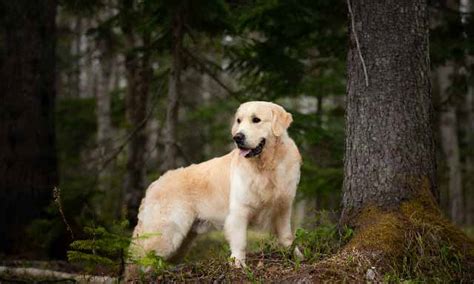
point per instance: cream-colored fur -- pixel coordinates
(230, 192)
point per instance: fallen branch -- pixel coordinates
(45, 273)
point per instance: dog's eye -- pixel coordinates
(256, 120)
(238, 120)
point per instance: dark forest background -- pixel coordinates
(140, 87)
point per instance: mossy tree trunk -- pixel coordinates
(28, 170)
(389, 141)
(390, 195)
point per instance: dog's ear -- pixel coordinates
(281, 120)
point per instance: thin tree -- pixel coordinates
(467, 125)
(28, 170)
(450, 141)
(139, 74)
(183, 22)
(107, 61)
(174, 90)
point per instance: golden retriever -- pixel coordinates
(253, 185)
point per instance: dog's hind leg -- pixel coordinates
(179, 254)
(198, 227)
(161, 229)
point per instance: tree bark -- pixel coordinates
(174, 94)
(28, 170)
(390, 151)
(139, 74)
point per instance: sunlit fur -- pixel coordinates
(229, 192)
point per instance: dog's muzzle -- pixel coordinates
(248, 152)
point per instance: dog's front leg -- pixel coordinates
(283, 229)
(236, 234)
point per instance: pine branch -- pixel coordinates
(131, 135)
(212, 74)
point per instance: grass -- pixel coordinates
(427, 257)
(469, 231)
(266, 261)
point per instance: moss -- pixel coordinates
(378, 232)
(413, 241)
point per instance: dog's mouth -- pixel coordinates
(249, 153)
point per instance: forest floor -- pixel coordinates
(207, 262)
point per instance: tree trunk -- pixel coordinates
(450, 144)
(73, 83)
(389, 184)
(468, 129)
(28, 170)
(390, 151)
(86, 79)
(108, 203)
(139, 75)
(174, 95)
(103, 101)
(467, 124)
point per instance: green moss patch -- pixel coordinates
(411, 243)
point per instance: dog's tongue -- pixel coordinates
(244, 152)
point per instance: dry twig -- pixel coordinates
(57, 200)
(357, 43)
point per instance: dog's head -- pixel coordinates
(256, 124)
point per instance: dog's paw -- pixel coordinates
(297, 253)
(237, 262)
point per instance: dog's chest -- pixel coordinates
(266, 189)
(266, 196)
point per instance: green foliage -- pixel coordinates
(75, 126)
(449, 36)
(214, 120)
(108, 249)
(152, 262)
(104, 247)
(75, 133)
(321, 242)
(282, 46)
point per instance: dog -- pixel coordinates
(253, 185)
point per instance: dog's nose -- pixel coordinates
(239, 138)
